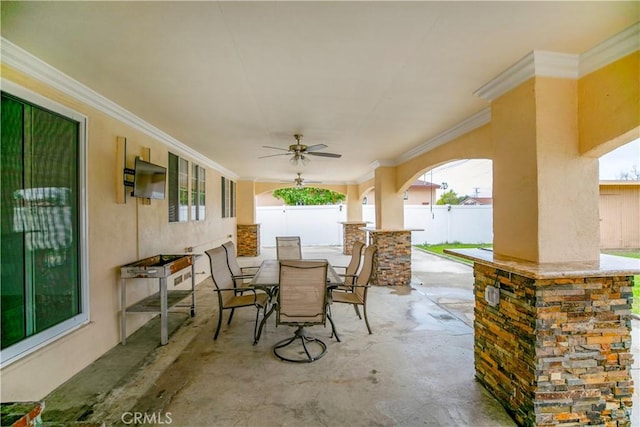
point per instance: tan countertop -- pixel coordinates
(608, 265)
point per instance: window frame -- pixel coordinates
(174, 188)
(228, 197)
(39, 340)
(198, 190)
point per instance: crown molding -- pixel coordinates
(475, 121)
(610, 50)
(18, 58)
(366, 177)
(536, 63)
(382, 164)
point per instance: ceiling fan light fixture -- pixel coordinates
(299, 158)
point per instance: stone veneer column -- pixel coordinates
(556, 350)
(392, 263)
(248, 239)
(352, 232)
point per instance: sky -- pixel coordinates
(473, 177)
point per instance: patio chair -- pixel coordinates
(302, 302)
(351, 270)
(288, 247)
(229, 297)
(357, 295)
(240, 274)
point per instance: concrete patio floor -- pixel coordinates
(415, 369)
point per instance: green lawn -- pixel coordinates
(636, 279)
(438, 250)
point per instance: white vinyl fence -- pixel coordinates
(320, 225)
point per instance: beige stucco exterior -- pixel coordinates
(117, 234)
(608, 102)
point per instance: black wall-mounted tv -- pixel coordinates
(149, 180)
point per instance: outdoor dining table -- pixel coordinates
(267, 278)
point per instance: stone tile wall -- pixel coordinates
(556, 351)
(248, 240)
(392, 263)
(351, 233)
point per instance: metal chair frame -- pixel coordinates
(289, 314)
(288, 247)
(357, 294)
(229, 297)
(239, 274)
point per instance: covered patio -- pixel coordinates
(210, 90)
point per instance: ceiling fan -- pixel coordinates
(300, 181)
(300, 151)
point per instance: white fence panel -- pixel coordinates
(320, 225)
(442, 223)
(316, 225)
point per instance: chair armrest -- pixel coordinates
(243, 276)
(241, 290)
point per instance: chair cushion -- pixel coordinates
(246, 300)
(346, 297)
(301, 319)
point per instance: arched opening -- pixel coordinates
(620, 204)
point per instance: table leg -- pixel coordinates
(273, 299)
(333, 327)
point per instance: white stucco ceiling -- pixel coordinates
(372, 80)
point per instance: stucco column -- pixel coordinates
(545, 192)
(245, 202)
(354, 204)
(248, 232)
(389, 204)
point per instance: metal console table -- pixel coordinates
(160, 267)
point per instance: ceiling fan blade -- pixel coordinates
(325, 154)
(316, 147)
(276, 148)
(273, 155)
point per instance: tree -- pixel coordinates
(308, 196)
(449, 198)
(631, 175)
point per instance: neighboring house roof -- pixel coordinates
(468, 200)
(605, 183)
(422, 183)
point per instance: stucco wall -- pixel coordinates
(117, 234)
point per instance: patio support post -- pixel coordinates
(354, 204)
(552, 329)
(352, 228)
(389, 203)
(545, 193)
(248, 232)
(392, 262)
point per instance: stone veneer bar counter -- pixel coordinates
(248, 239)
(392, 262)
(352, 232)
(555, 348)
